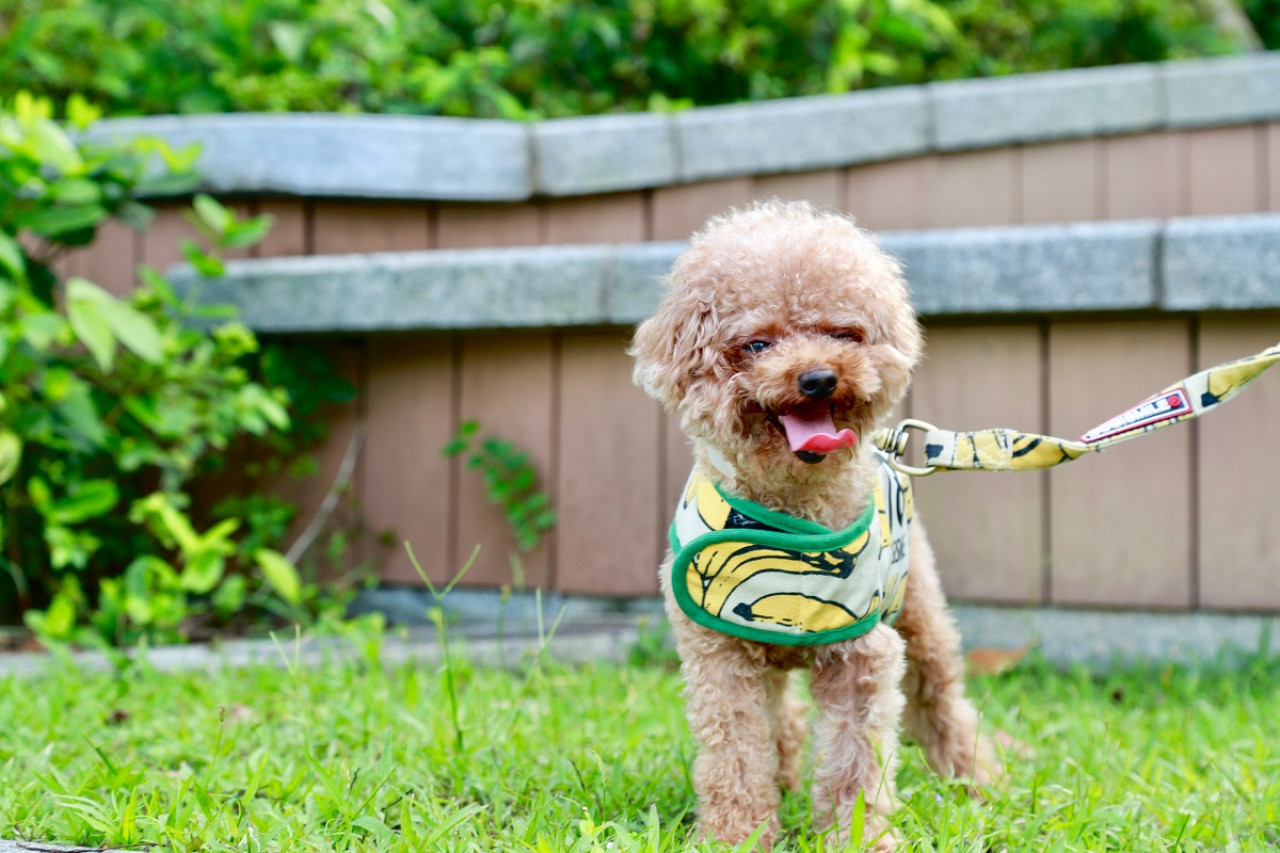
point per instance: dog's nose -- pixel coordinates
(818, 384)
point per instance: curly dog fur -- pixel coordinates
(762, 298)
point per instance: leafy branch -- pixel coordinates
(510, 480)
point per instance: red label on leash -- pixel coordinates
(1164, 406)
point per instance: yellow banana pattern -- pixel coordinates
(758, 574)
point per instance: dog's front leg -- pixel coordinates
(857, 687)
(735, 773)
(789, 726)
(939, 715)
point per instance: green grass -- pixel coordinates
(361, 756)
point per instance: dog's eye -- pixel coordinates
(757, 347)
(851, 335)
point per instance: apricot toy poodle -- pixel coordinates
(784, 338)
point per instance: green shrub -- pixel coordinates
(542, 58)
(1265, 17)
(109, 407)
(1001, 38)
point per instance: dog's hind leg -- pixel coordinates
(857, 687)
(735, 773)
(789, 727)
(939, 716)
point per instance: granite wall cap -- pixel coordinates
(1044, 106)
(486, 160)
(799, 134)
(1223, 90)
(457, 289)
(635, 279)
(1030, 269)
(366, 156)
(1184, 265)
(1226, 262)
(597, 154)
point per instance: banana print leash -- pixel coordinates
(1011, 450)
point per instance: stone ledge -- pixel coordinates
(447, 159)
(797, 134)
(1103, 638)
(1046, 106)
(1030, 269)
(1230, 262)
(1182, 265)
(1222, 91)
(361, 156)
(486, 288)
(576, 156)
(593, 630)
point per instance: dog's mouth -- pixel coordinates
(811, 432)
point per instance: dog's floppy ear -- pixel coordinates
(675, 345)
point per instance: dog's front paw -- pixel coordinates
(734, 827)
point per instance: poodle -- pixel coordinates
(784, 337)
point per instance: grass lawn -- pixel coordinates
(358, 756)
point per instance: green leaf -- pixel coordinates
(213, 214)
(40, 494)
(80, 113)
(145, 575)
(77, 192)
(167, 520)
(206, 264)
(376, 828)
(56, 221)
(55, 148)
(11, 257)
(280, 573)
(57, 621)
(241, 235)
(86, 500)
(134, 329)
(203, 572)
(97, 308)
(215, 538)
(159, 284)
(10, 455)
(84, 311)
(453, 447)
(40, 330)
(257, 398)
(231, 595)
(214, 312)
(291, 39)
(77, 410)
(174, 183)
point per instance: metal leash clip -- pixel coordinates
(894, 442)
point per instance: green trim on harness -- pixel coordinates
(808, 571)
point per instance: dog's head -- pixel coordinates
(784, 336)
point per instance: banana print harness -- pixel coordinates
(762, 575)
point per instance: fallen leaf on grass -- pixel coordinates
(994, 661)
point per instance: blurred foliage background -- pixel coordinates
(527, 59)
(118, 414)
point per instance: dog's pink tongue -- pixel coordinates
(815, 433)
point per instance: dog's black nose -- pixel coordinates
(818, 384)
